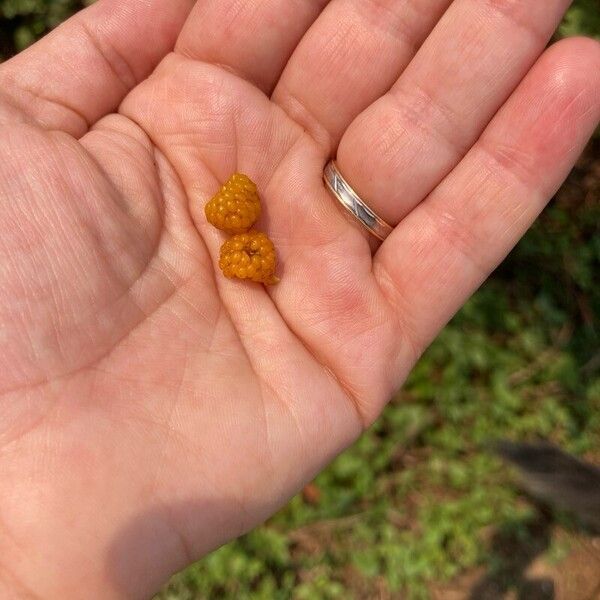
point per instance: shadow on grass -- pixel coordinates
(513, 549)
(551, 478)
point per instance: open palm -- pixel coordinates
(151, 409)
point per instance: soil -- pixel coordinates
(577, 577)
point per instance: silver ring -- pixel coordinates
(351, 201)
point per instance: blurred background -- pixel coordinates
(420, 508)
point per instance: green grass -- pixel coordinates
(582, 19)
(419, 498)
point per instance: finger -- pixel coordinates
(253, 38)
(82, 70)
(450, 243)
(400, 148)
(352, 55)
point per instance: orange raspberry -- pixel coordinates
(249, 256)
(236, 207)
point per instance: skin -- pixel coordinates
(152, 410)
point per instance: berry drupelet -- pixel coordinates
(249, 256)
(236, 207)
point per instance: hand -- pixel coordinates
(150, 409)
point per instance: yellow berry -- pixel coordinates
(249, 256)
(236, 207)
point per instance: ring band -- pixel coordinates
(351, 201)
